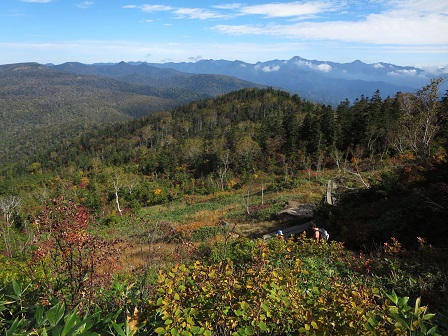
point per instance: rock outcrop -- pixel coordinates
(297, 211)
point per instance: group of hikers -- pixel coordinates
(319, 234)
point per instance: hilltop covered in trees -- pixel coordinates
(265, 129)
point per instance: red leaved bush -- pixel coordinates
(68, 262)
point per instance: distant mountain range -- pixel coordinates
(167, 83)
(313, 80)
(319, 81)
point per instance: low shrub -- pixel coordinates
(277, 294)
(240, 252)
(205, 232)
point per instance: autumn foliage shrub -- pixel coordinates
(298, 287)
(68, 263)
(275, 294)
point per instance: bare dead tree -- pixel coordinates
(8, 206)
(222, 171)
(421, 115)
(116, 189)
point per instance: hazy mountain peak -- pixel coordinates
(322, 81)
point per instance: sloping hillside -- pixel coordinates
(41, 106)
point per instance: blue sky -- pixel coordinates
(402, 32)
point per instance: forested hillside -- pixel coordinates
(42, 106)
(171, 204)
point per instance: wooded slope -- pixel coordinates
(42, 106)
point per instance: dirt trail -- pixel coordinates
(287, 232)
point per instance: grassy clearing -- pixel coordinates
(250, 216)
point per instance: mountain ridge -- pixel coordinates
(325, 82)
(321, 81)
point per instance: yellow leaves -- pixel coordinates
(306, 328)
(231, 184)
(269, 297)
(298, 263)
(439, 157)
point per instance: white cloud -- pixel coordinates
(418, 6)
(268, 68)
(228, 6)
(155, 8)
(401, 22)
(410, 73)
(198, 13)
(292, 9)
(378, 66)
(129, 6)
(85, 4)
(242, 29)
(324, 67)
(436, 70)
(288, 9)
(376, 29)
(404, 72)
